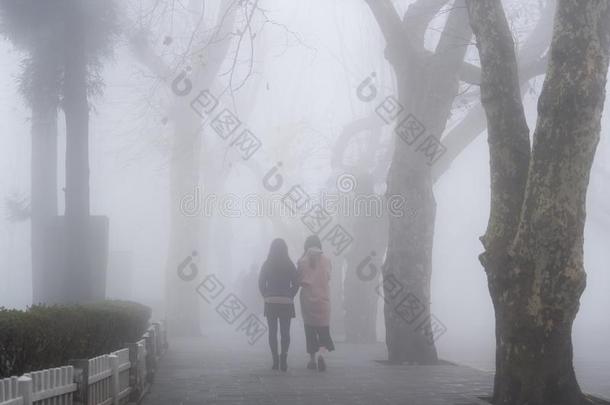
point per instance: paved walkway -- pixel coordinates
(594, 377)
(223, 368)
(208, 371)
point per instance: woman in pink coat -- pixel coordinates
(314, 278)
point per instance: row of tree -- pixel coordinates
(65, 41)
(534, 242)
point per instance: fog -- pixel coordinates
(294, 85)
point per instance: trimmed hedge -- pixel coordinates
(49, 336)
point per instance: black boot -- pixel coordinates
(276, 362)
(283, 363)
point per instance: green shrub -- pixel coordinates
(49, 336)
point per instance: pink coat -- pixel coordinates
(315, 289)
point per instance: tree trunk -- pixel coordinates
(363, 267)
(409, 263)
(182, 299)
(76, 108)
(427, 88)
(534, 241)
(44, 104)
(369, 226)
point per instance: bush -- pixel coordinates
(49, 336)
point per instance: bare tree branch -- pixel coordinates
(398, 41)
(418, 17)
(470, 73)
(508, 132)
(532, 64)
(388, 20)
(349, 131)
(146, 55)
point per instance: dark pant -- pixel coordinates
(318, 336)
(284, 321)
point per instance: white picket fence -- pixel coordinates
(9, 392)
(119, 378)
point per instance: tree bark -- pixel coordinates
(44, 103)
(534, 241)
(76, 109)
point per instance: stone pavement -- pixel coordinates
(593, 377)
(226, 370)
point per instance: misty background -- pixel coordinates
(308, 62)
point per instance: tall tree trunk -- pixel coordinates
(409, 262)
(76, 108)
(44, 104)
(427, 86)
(534, 241)
(182, 299)
(369, 229)
(362, 274)
(183, 302)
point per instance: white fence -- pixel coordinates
(9, 392)
(119, 378)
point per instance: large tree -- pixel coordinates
(534, 241)
(212, 52)
(204, 56)
(34, 28)
(360, 151)
(88, 32)
(64, 40)
(428, 86)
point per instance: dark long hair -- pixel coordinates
(312, 241)
(278, 255)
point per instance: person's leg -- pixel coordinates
(285, 341)
(272, 323)
(326, 341)
(312, 346)
(326, 344)
(285, 333)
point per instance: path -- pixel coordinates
(224, 369)
(204, 371)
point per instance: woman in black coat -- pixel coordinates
(278, 285)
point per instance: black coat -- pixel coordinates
(278, 280)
